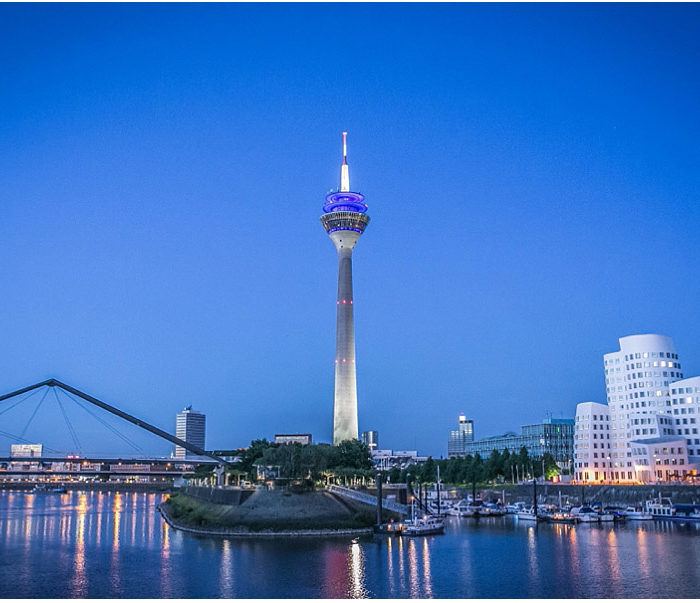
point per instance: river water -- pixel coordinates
(115, 545)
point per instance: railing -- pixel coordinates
(368, 499)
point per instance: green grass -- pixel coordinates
(194, 513)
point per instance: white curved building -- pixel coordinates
(637, 379)
(649, 436)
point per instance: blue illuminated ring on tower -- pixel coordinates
(345, 201)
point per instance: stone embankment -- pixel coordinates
(242, 533)
(230, 512)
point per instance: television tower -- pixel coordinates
(344, 219)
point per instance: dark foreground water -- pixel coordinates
(93, 544)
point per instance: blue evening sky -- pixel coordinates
(532, 175)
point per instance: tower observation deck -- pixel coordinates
(345, 220)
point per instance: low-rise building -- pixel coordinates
(293, 438)
(553, 436)
(388, 459)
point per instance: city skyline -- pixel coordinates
(533, 178)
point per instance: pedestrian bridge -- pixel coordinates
(368, 499)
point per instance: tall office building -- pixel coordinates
(190, 426)
(460, 437)
(637, 438)
(344, 219)
(371, 439)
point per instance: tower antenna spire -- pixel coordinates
(344, 169)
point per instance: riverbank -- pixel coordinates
(265, 533)
(269, 513)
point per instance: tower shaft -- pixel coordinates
(345, 399)
(344, 219)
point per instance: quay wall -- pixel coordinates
(218, 495)
(608, 494)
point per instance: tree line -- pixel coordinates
(352, 458)
(315, 461)
(497, 467)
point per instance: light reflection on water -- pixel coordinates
(79, 579)
(226, 572)
(357, 573)
(91, 545)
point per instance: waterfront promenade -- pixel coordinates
(116, 545)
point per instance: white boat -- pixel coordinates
(463, 508)
(663, 508)
(637, 514)
(530, 515)
(422, 526)
(492, 509)
(604, 516)
(515, 508)
(43, 489)
(560, 516)
(586, 514)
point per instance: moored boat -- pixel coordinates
(586, 514)
(43, 489)
(633, 513)
(663, 508)
(492, 509)
(463, 508)
(422, 526)
(530, 515)
(559, 516)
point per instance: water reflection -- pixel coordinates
(402, 571)
(357, 573)
(643, 560)
(115, 560)
(426, 570)
(79, 580)
(414, 586)
(532, 561)
(613, 562)
(574, 566)
(390, 563)
(165, 564)
(54, 556)
(226, 572)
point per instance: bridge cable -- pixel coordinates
(29, 395)
(21, 435)
(113, 429)
(70, 426)
(24, 441)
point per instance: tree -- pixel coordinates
(427, 471)
(393, 476)
(550, 466)
(524, 462)
(351, 454)
(494, 465)
(251, 454)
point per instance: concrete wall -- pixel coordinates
(219, 496)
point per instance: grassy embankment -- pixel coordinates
(276, 511)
